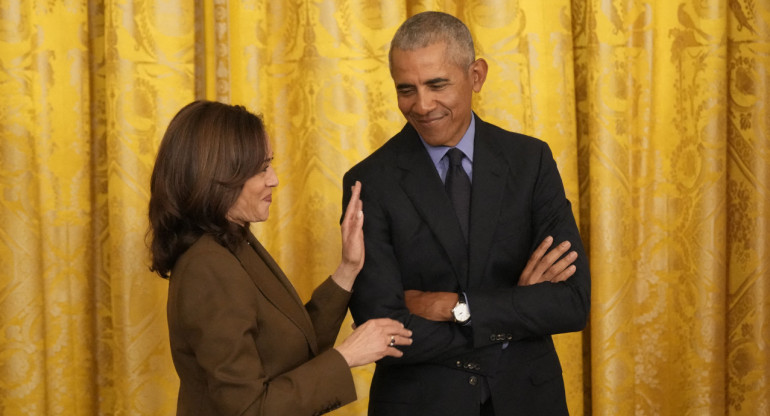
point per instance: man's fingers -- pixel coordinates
(540, 251)
(560, 266)
(542, 248)
(565, 274)
(549, 259)
(535, 259)
(544, 265)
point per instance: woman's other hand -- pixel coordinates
(375, 339)
(352, 241)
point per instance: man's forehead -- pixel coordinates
(428, 56)
(416, 67)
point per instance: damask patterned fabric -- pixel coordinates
(657, 112)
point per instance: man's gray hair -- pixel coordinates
(427, 28)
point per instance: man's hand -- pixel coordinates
(543, 267)
(434, 306)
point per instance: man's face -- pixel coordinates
(434, 93)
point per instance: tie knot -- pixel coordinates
(455, 156)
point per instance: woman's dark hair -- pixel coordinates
(208, 152)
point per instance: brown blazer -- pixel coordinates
(243, 343)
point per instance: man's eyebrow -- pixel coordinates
(434, 81)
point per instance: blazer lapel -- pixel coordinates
(423, 186)
(489, 179)
(274, 284)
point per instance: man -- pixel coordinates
(479, 293)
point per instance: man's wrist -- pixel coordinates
(461, 312)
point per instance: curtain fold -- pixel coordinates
(148, 74)
(656, 111)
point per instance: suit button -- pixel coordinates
(510, 337)
(492, 337)
(459, 363)
(473, 380)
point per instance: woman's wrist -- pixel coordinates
(344, 353)
(344, 276)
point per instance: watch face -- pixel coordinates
(461, 312)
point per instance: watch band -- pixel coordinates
(461, 312)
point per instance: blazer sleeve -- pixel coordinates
(217, 317)
(513, 313)
(327, 308)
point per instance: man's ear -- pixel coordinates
(478, 74)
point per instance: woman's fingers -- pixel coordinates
(353, 210)
(400, 340)
(400, 337)
(353, 250)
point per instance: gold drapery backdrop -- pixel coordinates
(658, 113)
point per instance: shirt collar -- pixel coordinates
(465, 144)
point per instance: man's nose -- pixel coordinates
(425, 102)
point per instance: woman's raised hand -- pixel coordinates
(352, 241)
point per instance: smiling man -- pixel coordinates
(434, 90)
(461, 217)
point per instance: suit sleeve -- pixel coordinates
(211, 293)
(379, 292)
(518, 312)
(327, 308)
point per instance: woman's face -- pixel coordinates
(253, 203)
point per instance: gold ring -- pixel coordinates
(392, 341)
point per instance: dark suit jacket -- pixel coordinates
(413, 241)
(243, 343)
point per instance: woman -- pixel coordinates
(241, 340)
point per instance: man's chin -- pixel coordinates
(433, 139)
(430, 137)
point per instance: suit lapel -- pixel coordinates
(489, 176)
(274, 285)
(423, 186)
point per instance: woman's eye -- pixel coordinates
(266, 165)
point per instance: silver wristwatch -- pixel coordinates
(461, 312)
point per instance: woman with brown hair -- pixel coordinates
(241, 340)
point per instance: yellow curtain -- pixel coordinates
(674, 148)
(658, 113)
